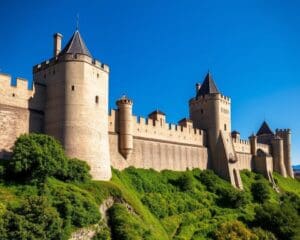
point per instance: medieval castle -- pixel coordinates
(69, 101)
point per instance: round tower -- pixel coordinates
(76, 111)
(125, 126)
(285, 134)
(253, 144)
(278, 157)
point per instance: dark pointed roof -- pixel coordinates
(157, 112)
(264, 129)
(76, 45)
(208, 86)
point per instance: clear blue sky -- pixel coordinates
(158, 50)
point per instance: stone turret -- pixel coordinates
(76, 109)
(253, 144)
(125, 126)
(285, 134)
(278, 157)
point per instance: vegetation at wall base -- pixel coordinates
(45, 195)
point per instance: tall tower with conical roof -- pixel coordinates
(76, 106)
(211, 111)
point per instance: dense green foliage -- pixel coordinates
(54, 196)
(260, 191)
(37, 156)
(233, 230)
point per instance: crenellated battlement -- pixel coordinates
(241, 145)
(70, 57)
(14, 95)
(201, 99)
(283, 131)
(241, 141)
(154, 129)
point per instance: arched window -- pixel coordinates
(97, 99)
(73, 87)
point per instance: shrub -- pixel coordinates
(260, 191)
(37, 156)
(78, 171)
(185, 182)
(34, 219)
(75, 206)
(233, 230)
(282, 219)
(125, 225)
(292, 199)
(231, 197)
(263, 234)
(209, 179)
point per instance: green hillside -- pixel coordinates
(45, 195)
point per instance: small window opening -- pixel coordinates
(13, 95)
(97, 75)
(225, 127)
(202, 111)
(97, 99)
(73, 87)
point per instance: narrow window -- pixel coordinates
(225, 127)
(73, 87)
(97, 75)
(97, 99)
(13, 95)
(202, 111)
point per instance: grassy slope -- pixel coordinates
(163, 210)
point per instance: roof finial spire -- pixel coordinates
(77, 21)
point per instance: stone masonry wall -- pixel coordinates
(14, 113)
(159, 155)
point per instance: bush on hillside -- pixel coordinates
(38, 156)
(34, 219)
(291, 199)
(233, 230)
(125, 225)
(185, 182)
(263, 234)
(75, 206)
(260, 191)
(77, 171)
(282, 220)
(231, 197)
(209, 179)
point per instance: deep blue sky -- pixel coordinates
(158, 50)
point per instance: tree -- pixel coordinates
(37, 156)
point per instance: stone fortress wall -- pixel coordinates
(69, 101)
(14, 111)
(159, 145)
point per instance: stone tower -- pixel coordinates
(76, 105)
(211, 111)
(125, 126)
(285, 134)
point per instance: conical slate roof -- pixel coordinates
(208, 86)
(76, 45)
(264, 129)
